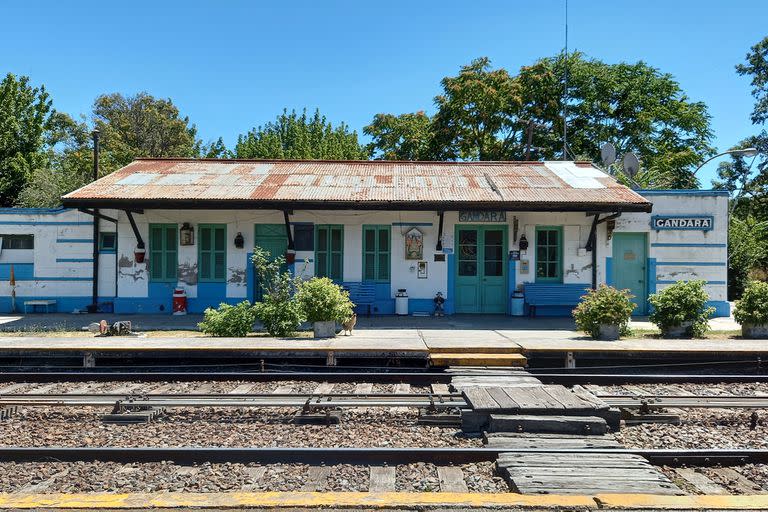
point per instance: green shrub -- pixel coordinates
(752, 309)
(279, 311)
(279, 318)
(323, 300)
(684, 301)
(227, 320)
(606, 305)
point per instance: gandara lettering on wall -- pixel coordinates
(694, 222)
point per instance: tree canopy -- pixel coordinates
(490, 114)
(296, 136)
(25, 117)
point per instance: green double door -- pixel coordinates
(481, 274)
(630, 267)
(272, 238)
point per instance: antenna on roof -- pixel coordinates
(607, 154)
(631, 164)
(565, 89)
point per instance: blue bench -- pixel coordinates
(362, 294)
(553, 294)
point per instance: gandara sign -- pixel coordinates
(691, 222)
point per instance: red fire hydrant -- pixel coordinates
(179, 302)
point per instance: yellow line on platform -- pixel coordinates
(384, 500)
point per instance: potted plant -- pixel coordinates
(752, 310)
(324, 303)
(681, 310)
(604, 313)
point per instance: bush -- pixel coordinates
(606, 305)
(227, 320)
(684, 301)
(279, 311)
(280, 318)
(752, 309)
(323, 300)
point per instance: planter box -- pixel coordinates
(754, 331)
(325, 329)
(609, 332)
(677, 331)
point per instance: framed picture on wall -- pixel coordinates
(414, 244)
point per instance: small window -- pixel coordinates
(163, 252)
(107, 242)
(549, 254)
(329, 251)
(17, 241)
(304, 237)
(212, 252)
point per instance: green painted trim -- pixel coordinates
(329, 252)
(201, 278)
(559, 278)
(480, 261)
(164, 252)
(376, 252)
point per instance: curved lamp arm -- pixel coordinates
(739, 152)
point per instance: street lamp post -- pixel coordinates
(748, 152)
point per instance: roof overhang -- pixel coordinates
(196, 204)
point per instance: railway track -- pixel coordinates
(365, 456)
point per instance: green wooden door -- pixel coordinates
(481, 285)
(271, 238)
(630, 267)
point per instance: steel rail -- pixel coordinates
(681, 401)
(359, 456)
(314, 401)
(568, 378)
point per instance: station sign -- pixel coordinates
(683, 222)
(490, 216)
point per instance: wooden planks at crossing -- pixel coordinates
(514, 441)
(540, 473)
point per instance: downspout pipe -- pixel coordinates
(95, 298)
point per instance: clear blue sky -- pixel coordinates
(232, 65)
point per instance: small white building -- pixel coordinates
(479, 233)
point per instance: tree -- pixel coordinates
(403, 137)
(489, 114)
(142, 126)
(25, 114)
(299, 137)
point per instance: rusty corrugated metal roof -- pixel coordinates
(153, 183)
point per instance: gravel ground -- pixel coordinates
(703, 428)
(266, 427)
(166, 476)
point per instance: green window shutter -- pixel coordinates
(329, 251)
(163, 252)
(549, 254)
(376, 253)
(212, 252)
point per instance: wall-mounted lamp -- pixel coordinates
(186, 234)
(523, 242)
(239, 240)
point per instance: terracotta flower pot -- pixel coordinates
(138, 255)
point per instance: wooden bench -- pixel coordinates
(553, 294)
(362, 294)
(39, 302)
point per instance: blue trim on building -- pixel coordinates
(690, 263)
(450, 301)
(687, 192)
(63, 304)
(657, 244)
(722, 307)
(652, 264)
(511, 283)
(421, 306)
(36, 223)
(210, 295)
(403, 224)
(74, 240)
(250, 277)
(710, 218)
(609, 270)
(30, 211)
(21, 271)
(383, 304)
(107, 251)
(74, 260)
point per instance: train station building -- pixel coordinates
(489, 237)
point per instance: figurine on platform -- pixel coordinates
(439, 303)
